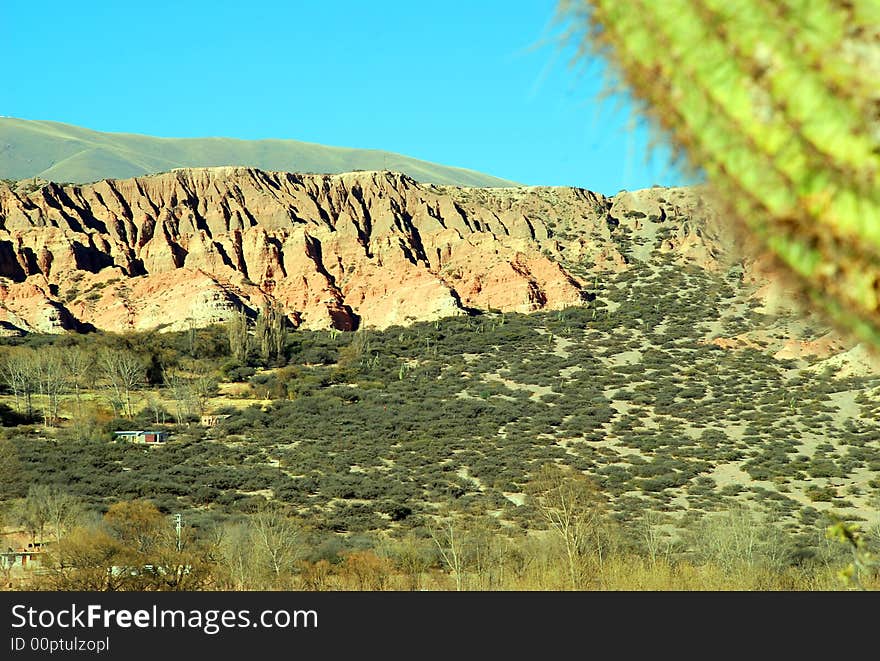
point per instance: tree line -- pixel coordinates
(117, 374)
(119, 367)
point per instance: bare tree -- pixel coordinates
(12, 376)
(412, 556)
(488, 554)
(316, 576)
(181, 392)
(84, 561)
(28, 372)
(19, 372)
(154, 404)
(52, 379)
(234, 543)
(738, 538)
(123, 372)
(191, 335)
(574, 509)
(49, 508)
(204, 388)
(654, 536)
(276, 540)
(32, 514)
(450, 537)
(365, 570)
(80, 366)
(133, 550)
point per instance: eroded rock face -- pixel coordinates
(366, 248)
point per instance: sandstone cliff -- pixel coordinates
(365, 248)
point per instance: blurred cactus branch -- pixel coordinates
(778, 104)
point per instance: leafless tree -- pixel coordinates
(655, 537)
(191, 335)
(50, 508)
(573, 508)
(277, 537)
(412, 556)
(180, 389)
(204, 388)
(738, 538)
(80, 366)
(52, 379)
(32, 514)
(450, 537)
(489, 553)
(235, 545)
(154, 404)
(139, 525)
(124, 372)
(19, 371)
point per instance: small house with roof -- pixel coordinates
(150, 437)
(22, 557)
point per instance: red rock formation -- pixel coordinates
(363, 248)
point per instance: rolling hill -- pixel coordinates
(66, 153)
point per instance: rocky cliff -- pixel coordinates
(365, 248)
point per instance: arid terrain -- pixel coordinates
(434, 347)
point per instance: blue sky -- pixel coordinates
(485, 85)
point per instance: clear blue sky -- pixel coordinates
(481, 84)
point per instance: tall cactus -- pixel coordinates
(778, 103)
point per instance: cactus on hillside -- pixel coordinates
(778, 103)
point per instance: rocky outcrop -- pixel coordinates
(365, 248)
